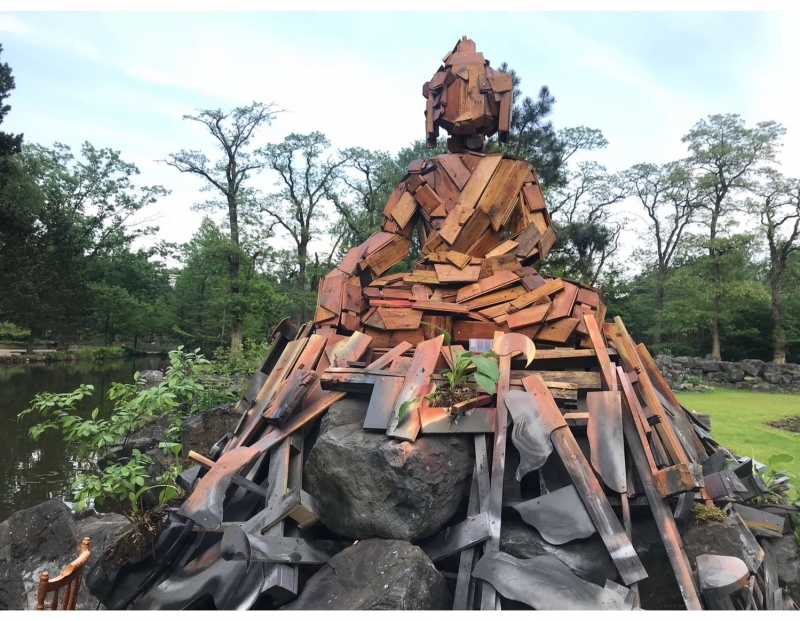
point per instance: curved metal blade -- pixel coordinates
(559, 516)
(544, 583)
(606, 439)
(723, 574)
(236, 545)
(511, 342)
(530, 434)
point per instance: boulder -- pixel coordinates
(368, 485)
(202, 430)
(152, 378)
(46, 538)
(587, 558)
(787, 557)
(708, 366)
(735, 374)
(751, 366)
(375, 574)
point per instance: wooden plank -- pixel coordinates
(495, 297)
(470, 195)
(441, 307)
(487, 285)
(458, 259)
(451, 274)
(499, 209)
(400, 318)
(605, 520)
(549, 288)
(394, 198)
(528, 316)
(660, 509)
(461, 599)
(533, 196)
(607, 369)
(417, 384)
(503, 248)
(456, 170)
(495, 311)
(422, 276)
(588, 297)
(383, 402)
(381, 260)
(563, 302)
(427, 198)
(558, 331)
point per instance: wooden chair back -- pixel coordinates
(70, 578)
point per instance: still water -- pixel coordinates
(32, 472)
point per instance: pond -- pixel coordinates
(32, 472)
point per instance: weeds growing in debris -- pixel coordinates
(481, 368)
(702, 513)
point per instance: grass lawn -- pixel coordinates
(738, 421)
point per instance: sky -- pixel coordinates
(124, 80)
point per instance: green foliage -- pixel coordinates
(693, 380)
(133, 406)
(9, 333)
(479, 367)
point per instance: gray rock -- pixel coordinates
(375, 574)
(369, 485)
(734, 374)
(46, 538)
(709, 365)
(152, 378)
(587, 558)
(201, 431)
(751, 367)
(716, 376)
(787, 556)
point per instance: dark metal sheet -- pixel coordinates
(761, 523)
(478, 420)
(382, 403)
(724, 484)
(558, 516)
(606, 440)
(544, 583)
(453, 539)
(239, 546)
(204, 505)
(753, 553)
(715, 463)
(232, 586)
(530, 434)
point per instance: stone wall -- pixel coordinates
(747, 374)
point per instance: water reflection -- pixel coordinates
(31, 472)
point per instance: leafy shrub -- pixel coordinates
(132, 407)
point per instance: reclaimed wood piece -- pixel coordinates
(605, 520)
(495, 311)
(503, 248)
(590, 297)
(439, 420)
(289, 396)
(489, 599)
(434, 325)
(606, 439)
(563, 301)
(464, 592)
(527, 316)
(494, 298)
(350, 261)
(441, 307)
(664, 427)
(483, 286)
(456, 170)
(400, 318)
(451, 274)
(416, 384)
(660, 509)
(458, 259)
(558, 331)
(359, 381)
(427, 198)
(549, 288)
(470, 194)
(607, 369)
(500, 207)
(384, 258)
(427, 277)
(533, 196)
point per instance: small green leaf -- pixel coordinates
(487, 367)
(486, 383)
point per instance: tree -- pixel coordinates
(305, 178)
(586, 231)
(9, 143)
(669, 197)
(363, 191)
(777, 204)
(233, 131)
(67, 214)
(726, 154)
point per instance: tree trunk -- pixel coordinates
(135, 341)
(302, 262)
(715, 348)
(108, 328)
(233, 265)
(778, 330)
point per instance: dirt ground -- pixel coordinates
(787, 424)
